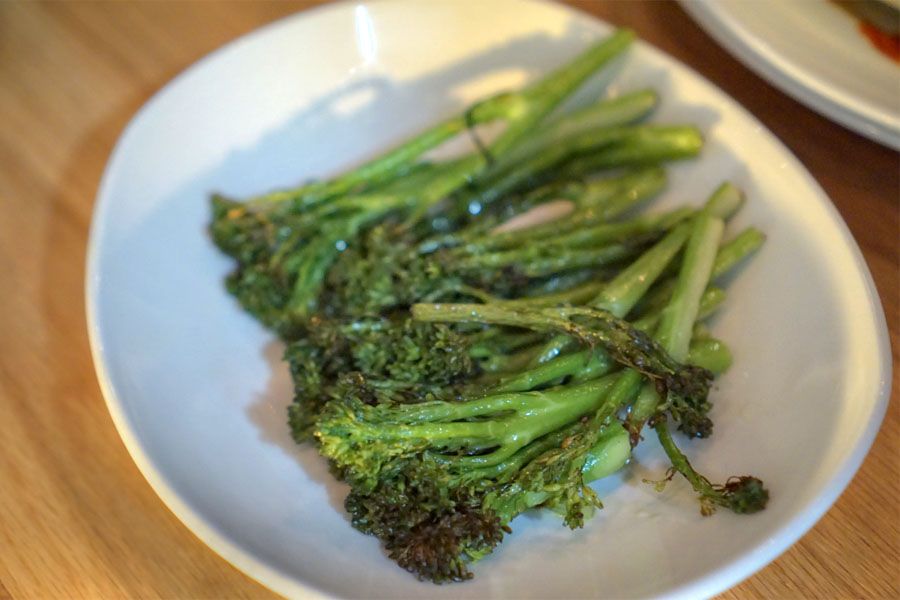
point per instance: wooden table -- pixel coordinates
(77, 520)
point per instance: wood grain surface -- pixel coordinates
(77, 520)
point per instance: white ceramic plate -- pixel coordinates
(198, 392)
(813, 51)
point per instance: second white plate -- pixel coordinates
(813, 51)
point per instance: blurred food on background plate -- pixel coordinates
(879, 22)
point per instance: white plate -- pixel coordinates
(813, 51)
(198, 392)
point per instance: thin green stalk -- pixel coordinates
(523, 110)
(674, 332)
(621, 294)
(621, 231)
(621, 110)
(560, 406)
(533, 255)
(680, 461)
(645, 146)
(543, 96)
(392, 165)
(583, 366)
(638, 186)
(729, 255)
(576, 295)
(677, 322)
(609, 454)
(742, 495)
(735, 250)
(608, 114)
(709, 353)
(712, 298)
(595, 202)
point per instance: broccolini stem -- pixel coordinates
(582, 366)
(678, 317)
(740, 494)
(535, 103)
(400, 157)
(712, 298)
(623, 292)
(500, 106)
(621, 295)
(711, 354)
(522, 112)
(544, 95)
(725, 201)
(541, 413)
(734, 251)
(623, 230)
(644, 146)
(605, 115)
(498, 341)
(518, 419)
(540, 262)
(578, 294)
(729, 255)
(626, 388)
(595, 202)
(621, 110)
(586, 234)
(681, 463)
(503, 468)
(596, 327)
(609, 454)
(637, 186)
(505, 363)
(605, 457)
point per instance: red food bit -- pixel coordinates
(887, 44)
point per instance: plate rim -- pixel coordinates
(715, 581)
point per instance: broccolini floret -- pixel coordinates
(404, 359)
(440, 481)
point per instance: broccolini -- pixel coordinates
(457, 363)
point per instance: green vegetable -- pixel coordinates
(591, 326)
(458, 364)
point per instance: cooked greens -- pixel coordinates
(460, 361)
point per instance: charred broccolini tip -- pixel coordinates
(429, 528)
(391, 356)
(438, 482)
